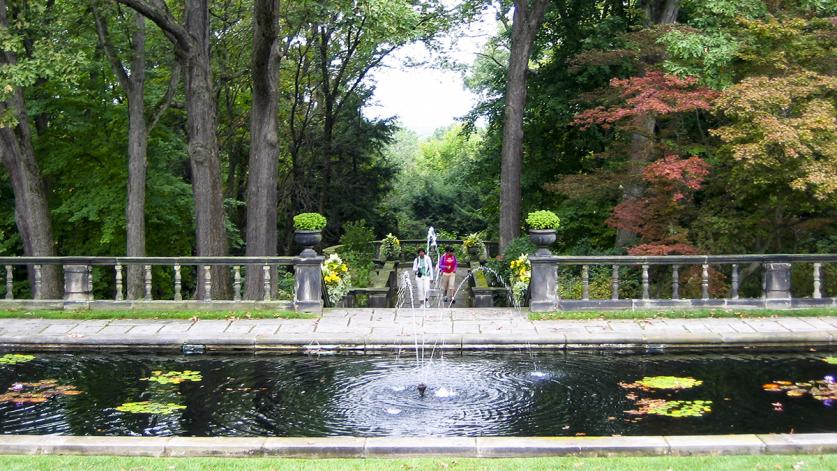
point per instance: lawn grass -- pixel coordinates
(162, 314)
(662, 463)
(681, 314)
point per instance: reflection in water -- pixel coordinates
(478, 394)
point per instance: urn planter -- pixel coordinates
(308, 239)
(543, 239)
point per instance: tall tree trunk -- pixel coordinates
(642, 137)
(31, 209)
(211, 236)
(262, 238)
(137, 160)
(192, 46)
(528, 15)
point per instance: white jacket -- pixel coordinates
(428, 263)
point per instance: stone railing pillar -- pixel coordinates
(308, 281)
(777, 283)
(543, 293)
(77, 286)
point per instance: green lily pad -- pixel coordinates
(174, 377)
(15, 358)
(148, 407)
(830, 360)
(675, 409)
(663, 382)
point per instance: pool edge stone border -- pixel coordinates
(392, 447)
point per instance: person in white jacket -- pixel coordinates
(423, 269)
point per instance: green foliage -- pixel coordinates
(473, 245)
(357, 237)
(830, 360)
(149, 407)
(543, 219)
(570, 286)
(309, 222)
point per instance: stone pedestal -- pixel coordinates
(777, 282)
(77, 286)
(308, 279)
(543, 285)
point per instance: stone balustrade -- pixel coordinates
(775, 283)
(78, 280)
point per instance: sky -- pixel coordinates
(423, 98)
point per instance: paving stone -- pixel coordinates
(496, 447)
(329, 447)
(436, 327)
(297, 325)
(715, 445)
(176, 327)
(766, 325)
(115, 329)
(424, 446)
(465, 328)
(267, 329)
(215, 446)
(814, 443)
(145, 329)
(86, 329)
(53, 329)
(122, 446)
(236, 327)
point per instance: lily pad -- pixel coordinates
(40, 391)
(174, 377)
(663, 382)
(675, 409)
(148, 407)
(15, 358)
(830, 360)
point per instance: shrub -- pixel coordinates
(390, 247)
(539, 220)
(309, 222)
(357, 237)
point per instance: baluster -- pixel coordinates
(615, 283)
(266, 270)
(675, 282)
(178, 284)
(704, 282)
(118, 269)
(585, 283)
(9, 283)
(817, 281)
(645, 282)
(148, 282)
(763, 281)
(90, 282)
(37, 293)
(236, 283)
(207, 283)
(734, 288)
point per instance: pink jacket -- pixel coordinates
(448, 263)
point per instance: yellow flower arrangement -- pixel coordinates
(521, 274)
(336, 277)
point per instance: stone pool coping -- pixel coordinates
(386, 447)
(387, 329)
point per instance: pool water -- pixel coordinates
(471, 394)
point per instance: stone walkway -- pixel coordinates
(360, 329)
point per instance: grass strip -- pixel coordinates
(162, 314)
(681, 314)
(690, 463)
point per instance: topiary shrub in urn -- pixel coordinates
(542, 226)
(308, 231)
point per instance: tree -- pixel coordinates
(24, 61)
(262, 238)
(528, 15)
(191, 43)
(132, 81)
